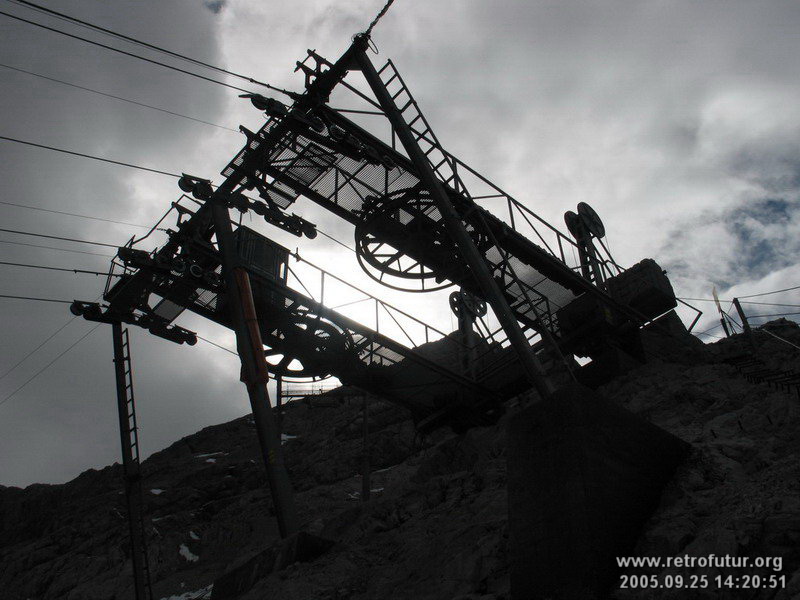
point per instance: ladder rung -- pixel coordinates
(421, 134)
(391, 79)
(407, 104)
(400, 91)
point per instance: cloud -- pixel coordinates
(215, 6)
(677, 121)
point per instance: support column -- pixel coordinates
(130, 466)
(745, 325)
(254, 366)
(455, 227)
(365, 463)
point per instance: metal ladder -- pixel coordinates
(441, 162)
(754, 370)
(445, 168)
(131, 464)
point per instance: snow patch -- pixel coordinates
(201, 594)
(193, 535)
(211, 460)
(156, 491)
(184, 551)
(285, 437)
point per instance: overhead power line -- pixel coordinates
(48, 365)
(79, 271)
(56, 237)
(131, 54)
(81, 154)
(70, 214)
(128, 100)
(55, 248)
(133, 40)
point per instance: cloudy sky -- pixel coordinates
(678, 121)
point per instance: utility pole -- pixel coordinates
(455, 227)
(745, 325)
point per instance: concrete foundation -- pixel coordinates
(583, 477)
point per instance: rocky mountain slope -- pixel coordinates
(436, 524)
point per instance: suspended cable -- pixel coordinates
(48, 365)
(132, 55)
(710, 329)
(56, 237)
(788, 314)
(745, 302)
(98, 92)
(777, 337)
(378, 17)
(32, 352)
(228, 350)
(133, 40)
(84, 271)
(797, 287)
(55, 248)
(35, 298)
(330, 237)
(69, 214)
(711, 335)
(107, 160)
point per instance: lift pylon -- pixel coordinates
(131, 465)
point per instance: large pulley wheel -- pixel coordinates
(462, 302)
(408, 218)
(306, 347)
